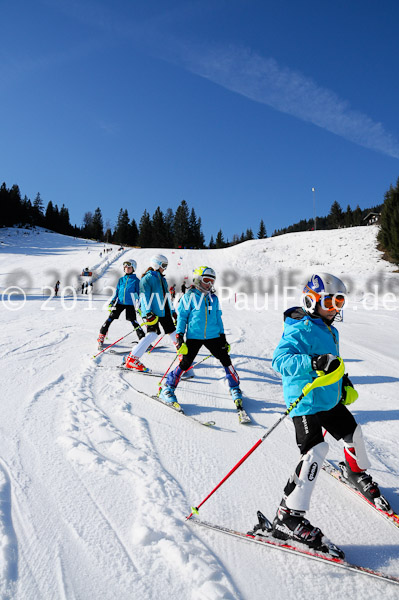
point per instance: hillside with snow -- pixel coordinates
(96, 479)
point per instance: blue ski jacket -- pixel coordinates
(154, 294)
(305, 337)
(200, 314)
(127, 290)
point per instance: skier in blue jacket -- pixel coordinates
(125, 297)
(310, 343)
(156, 309)
(199, 317)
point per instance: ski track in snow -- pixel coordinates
(96, 479)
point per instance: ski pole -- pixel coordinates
(158, 340)
(166, 372)
(322, 380)
(110, 346)
(199, 362)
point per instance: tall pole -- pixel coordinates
(314, 207)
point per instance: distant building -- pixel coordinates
(372, 218)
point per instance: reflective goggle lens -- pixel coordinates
(208, 280)
(164, 265)
(333, 302)
(127, 264)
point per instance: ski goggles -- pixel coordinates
(127, 264)
(333, 302)
(327, 301)
(208, 280)
(163, 265)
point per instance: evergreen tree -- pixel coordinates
(49, 219)
(16, 210)
(212, 243)
(121, 233)
(145, 231)
(64, 223)
(357, 216)
(262, 234)
(200, 234)
(133, 234)
(389, 223)
(5, 219)
(336, 216)
(158, 229)
(98, 225)
(38, 215)
(169, 228)
(348, 217)
(181, 226)
(220, 243)
(87, 225)
(249, 235)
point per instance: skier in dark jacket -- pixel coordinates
(126, 294)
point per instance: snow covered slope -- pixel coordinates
(96, 479)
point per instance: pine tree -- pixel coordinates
(121, 233)
(64, 223)
(38, 216)
(145, 231)
(336, 216)
(348, 217)
(357, 216)
(389, 223)
(158, 229)
(169, 228)
(249, 235)
(97, 225)
(262, 234)
(212, 243)
(220, 243)
(181, 226)
(133, 234)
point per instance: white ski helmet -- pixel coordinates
(130, 263)
(204, 278)
(157, 261)
(325, 290)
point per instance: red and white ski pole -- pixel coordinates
(321, 380)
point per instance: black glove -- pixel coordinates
(179, 340)
(225, 344)
(325, 362)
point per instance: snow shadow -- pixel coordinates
(8, 541)
(373, 379)
(366, 416)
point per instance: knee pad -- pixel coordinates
(300, 486)
(355, 451)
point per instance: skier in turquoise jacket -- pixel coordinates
(156, 309)
(310, 344)
(125, 297)
(199, 317)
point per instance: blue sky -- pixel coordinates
(238, 107)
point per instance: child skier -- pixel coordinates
(156, 308)
(126, 294)
(199, 317)
(310, 343)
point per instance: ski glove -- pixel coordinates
(349, 394)
(181, 347)
(325, 362)
(225, 344)
(110, 308)
(150, 319)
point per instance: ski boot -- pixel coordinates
(133, 363)
(140, 333)
(364, 484)
(167, 394)
(291, 524)
(100, 341)
(236, 394)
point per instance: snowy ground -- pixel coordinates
(96, 479)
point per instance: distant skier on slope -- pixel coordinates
(310, 343)
(126, 294)
(199, 317)
(156, 309)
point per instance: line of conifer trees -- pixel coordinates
(388, 236)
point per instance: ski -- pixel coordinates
(243, 417)
(329, 468)
(174, 406)
(267, 540)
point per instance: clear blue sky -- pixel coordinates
(238, 106)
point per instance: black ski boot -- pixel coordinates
(291, 524)
(140, 333)
(363, 482)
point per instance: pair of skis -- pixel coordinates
(266, 539)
